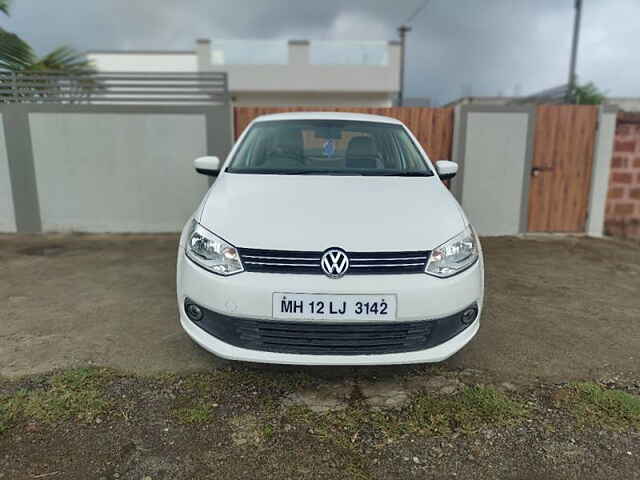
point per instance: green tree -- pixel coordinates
(587, 94)
(13, 50)
(17, 56)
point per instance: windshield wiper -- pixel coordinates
(265, 171)
(366, 173)
(319, 172)
(341, 172)
(399, 174)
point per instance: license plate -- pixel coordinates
(314, 306)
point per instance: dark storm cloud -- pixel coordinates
(483, 47)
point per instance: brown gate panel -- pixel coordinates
(561, 167)
(433, 127)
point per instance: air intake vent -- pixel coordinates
(340, 339)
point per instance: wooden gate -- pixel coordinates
(433, 127)
(561, 167)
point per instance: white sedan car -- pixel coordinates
(329, 239)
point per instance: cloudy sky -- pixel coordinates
(482, 47)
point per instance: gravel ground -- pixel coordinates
(558, 310)
(243, 423)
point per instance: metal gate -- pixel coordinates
(561, 168)
(433, 127)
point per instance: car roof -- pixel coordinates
(354, 117)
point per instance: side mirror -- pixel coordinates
(207, 165)
(446, 169)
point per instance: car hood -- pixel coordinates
(356, 213)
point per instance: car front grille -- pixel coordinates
(321, 338)
(360, 263)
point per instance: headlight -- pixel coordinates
(212, 253)
(455, 255)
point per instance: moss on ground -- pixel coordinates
(592, 404)
(75, 393)
(349, 431)
(199, 394)
(82, 394)
(471, 409)
(467, 411)
(202, 412)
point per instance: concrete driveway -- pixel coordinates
(556, 308)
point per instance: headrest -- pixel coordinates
(290, 140)
(361, 147)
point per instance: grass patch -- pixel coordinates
(7, 414)
(340, 433)
(469, 410)
(233, 381)
(592, 404)
(357, 428)
(76, 393)
(200, 413)
(465, 412)
(198, 395)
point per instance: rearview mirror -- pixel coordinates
(207, 166)
(446, 169)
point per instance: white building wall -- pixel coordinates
(628, 104)
(298, 82)
(298, 76)
(304, 78)
(7, 216)
(124, 172)
(144, 61)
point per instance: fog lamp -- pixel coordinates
(469, 315)
(194, 312)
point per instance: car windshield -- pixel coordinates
(328, 147)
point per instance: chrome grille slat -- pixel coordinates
(282, 264)
(308, 262)
(369, 265)
(388, 259)
(259, 257)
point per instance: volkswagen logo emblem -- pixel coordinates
(334, 263)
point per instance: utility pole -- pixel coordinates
(571, 85)
(402, 30)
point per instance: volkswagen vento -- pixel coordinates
(329, 239)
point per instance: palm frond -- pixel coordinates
(4, 6)
(63, 59)
(15, 53)
(63, 74)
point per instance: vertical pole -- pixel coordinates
(22, 173)
(571, 85)
(14, 81)
(601, 166)
(402, 30)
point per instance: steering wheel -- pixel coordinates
(283, 153)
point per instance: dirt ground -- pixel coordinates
(557, 308)
(98, 381)
(243, 423)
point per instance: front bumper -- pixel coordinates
(249, 296)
